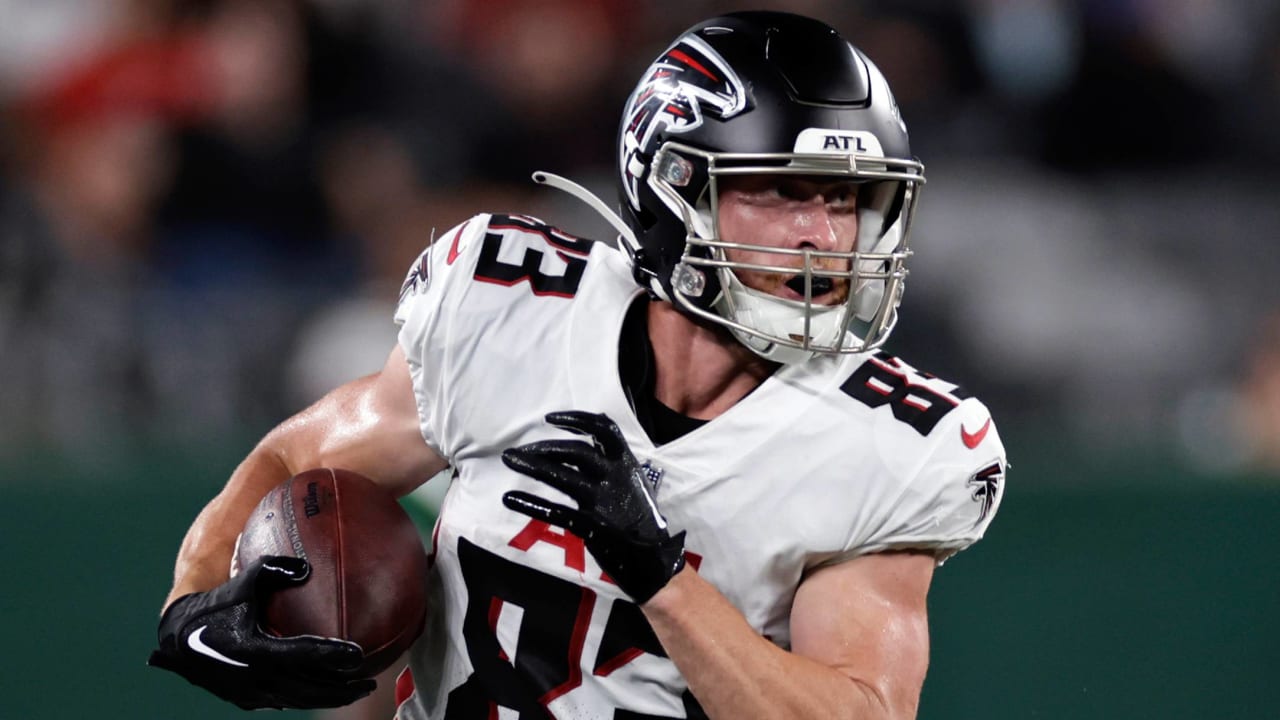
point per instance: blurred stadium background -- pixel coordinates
(206, 208)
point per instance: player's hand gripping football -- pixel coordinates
(616, 516)
(213, 640)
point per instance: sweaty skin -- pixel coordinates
(789, 212)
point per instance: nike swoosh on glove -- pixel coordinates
(213, 640)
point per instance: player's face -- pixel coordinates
(792, 212)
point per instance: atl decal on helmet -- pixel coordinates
(837, 142)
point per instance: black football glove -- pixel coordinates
(212, 639)
(616, 516)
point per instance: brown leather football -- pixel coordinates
(368, 564)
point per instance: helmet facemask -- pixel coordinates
(706, 281)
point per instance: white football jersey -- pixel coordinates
(506, 319)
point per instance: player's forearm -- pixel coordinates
(736, 673)
(204, 560)
(368, 425)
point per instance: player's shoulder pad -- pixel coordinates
(963, 479)
(500, 249)
(532, 230)
(917, 400)
(944, 444)
(440, 255)
(447, 261)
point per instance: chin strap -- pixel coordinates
(595, 203)
(644, 278)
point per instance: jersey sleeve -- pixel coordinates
(429, 296)
(955, 493)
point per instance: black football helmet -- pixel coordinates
(766, 92)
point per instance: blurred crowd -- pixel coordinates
(207, 206)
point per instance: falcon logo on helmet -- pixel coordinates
(686, 82)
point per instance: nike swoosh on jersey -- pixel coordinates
(453, 249)
(972, 440)
(198, 645)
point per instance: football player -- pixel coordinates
(686, 481)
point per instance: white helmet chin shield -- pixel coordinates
(868, 279)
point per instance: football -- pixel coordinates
(368, 564)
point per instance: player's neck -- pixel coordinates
(701, 371)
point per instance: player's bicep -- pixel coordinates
(867, 618)
(369, 425)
